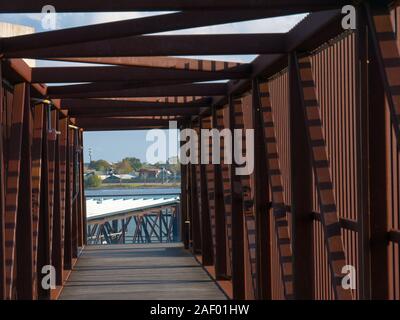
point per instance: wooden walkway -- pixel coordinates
(139, 272)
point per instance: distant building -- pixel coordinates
(149, 173)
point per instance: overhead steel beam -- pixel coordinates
(306, 36)
(207, 89)
(100, 124)
(161, 62)
(135, 27)
(101, 104)
(116, 112)
(164, 45)
(23, 6)
(121, 73)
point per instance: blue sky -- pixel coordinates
(113, 146)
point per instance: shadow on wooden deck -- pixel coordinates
(139, 272)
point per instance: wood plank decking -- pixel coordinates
(139, 272)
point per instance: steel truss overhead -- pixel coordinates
(324, 104)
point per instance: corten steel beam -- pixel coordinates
(206, 232)
(281, 222)
(378, 180)
(220, 223)
(222, 120)
(201, 89)
(384, 40)
(238, 273)
(43, 257)
(23, 6)
(363, 63)
(177, 45)
(52, 138)
(321, 168)
(94, 124)
(99, 104)
(250, 254)
(2, 193)
(261, 200)
(38, 125)
(57, 244)
(301, 192)
(195, 222)
(68, 201)
(135, 27)
(307, 35)
(118, 112)
(12, 186)
(83, 216)
(160, 62)
(125, 73)
(75, 197)
(24, 238)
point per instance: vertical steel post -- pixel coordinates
(301, 192)
(261, 200)
(219, 207)
(12, 187)
(238, 273)
(24, 236)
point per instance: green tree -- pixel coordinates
(100, 165)
(123, 167)
(93, 181)
(135, 163)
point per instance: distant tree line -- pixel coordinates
(128, 166)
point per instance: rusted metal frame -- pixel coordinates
(164, 45)
(82, 200)
(309, 34)
(301, 192)
(205, 219)
(38, 137)
(75, 192)
(92, 113)
(135, 27)
(20, 6)
(261, 200)
(209, 187)
(362, 153)
(121, 74)
(284, 241)
(57, 250)
(68, 204)
(226, 192)
(238, 273)
(196, 89)
(321, 168)
(12, 187)
(51, 167)
(185, 198)
(24, 222)
(62, 149)
(378, 153)
(195, 223)
(387, 53)
(43, 248)
(221, 124)
(248, 206)
(220, 223)
(2, 193)
(100, 104)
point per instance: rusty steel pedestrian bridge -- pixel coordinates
(325, 106)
